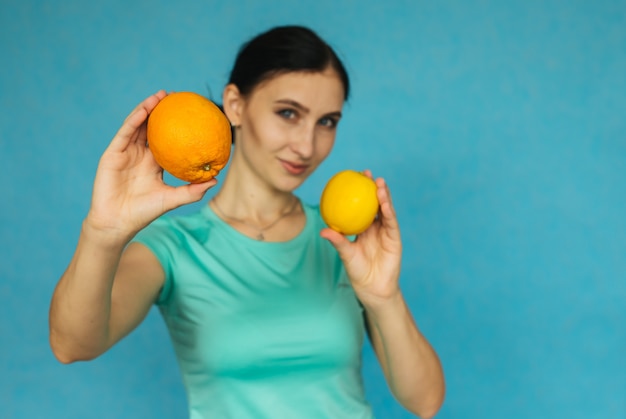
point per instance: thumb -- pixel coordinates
(187, 194)
(340, 243)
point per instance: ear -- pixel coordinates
(232, 101)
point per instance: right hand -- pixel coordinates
(129, 191)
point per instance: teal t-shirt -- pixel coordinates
(260, 329)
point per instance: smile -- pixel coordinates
(293, 168)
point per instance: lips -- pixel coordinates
(294, 168)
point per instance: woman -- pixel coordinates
(267, 308)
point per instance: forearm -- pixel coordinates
(411, 366)
(81, 304)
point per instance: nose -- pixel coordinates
(303, 142)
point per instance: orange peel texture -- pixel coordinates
(189, 137)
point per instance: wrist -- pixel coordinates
(106, 236)
(382, 307)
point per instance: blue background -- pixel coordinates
(500, 127)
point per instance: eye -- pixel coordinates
(287, 113)
(328, 122)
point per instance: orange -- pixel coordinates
(189, 136)
(349, 203)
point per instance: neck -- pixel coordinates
(245, 196)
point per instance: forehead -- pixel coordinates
(324, 89)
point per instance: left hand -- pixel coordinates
(372, 261)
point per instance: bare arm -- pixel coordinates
(108, 288)
(411, 367)
(101, 297)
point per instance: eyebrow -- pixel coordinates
(303, 108)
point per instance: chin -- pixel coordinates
(290, 184)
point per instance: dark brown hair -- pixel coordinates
(280, 50)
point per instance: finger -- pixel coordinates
(145, 107)
(187, 194)
(149, 163)
(340, 242)
(133, 123)
(386, 210)
(368, 173)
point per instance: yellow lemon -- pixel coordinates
(349, 203)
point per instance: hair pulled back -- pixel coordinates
(284, 49)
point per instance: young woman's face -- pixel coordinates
(288, 125)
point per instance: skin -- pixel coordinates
(286, 127)
(285, 130)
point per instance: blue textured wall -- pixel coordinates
(500, 127)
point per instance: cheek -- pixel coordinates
(325, 145)
(268, 134)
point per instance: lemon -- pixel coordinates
(349, 203)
